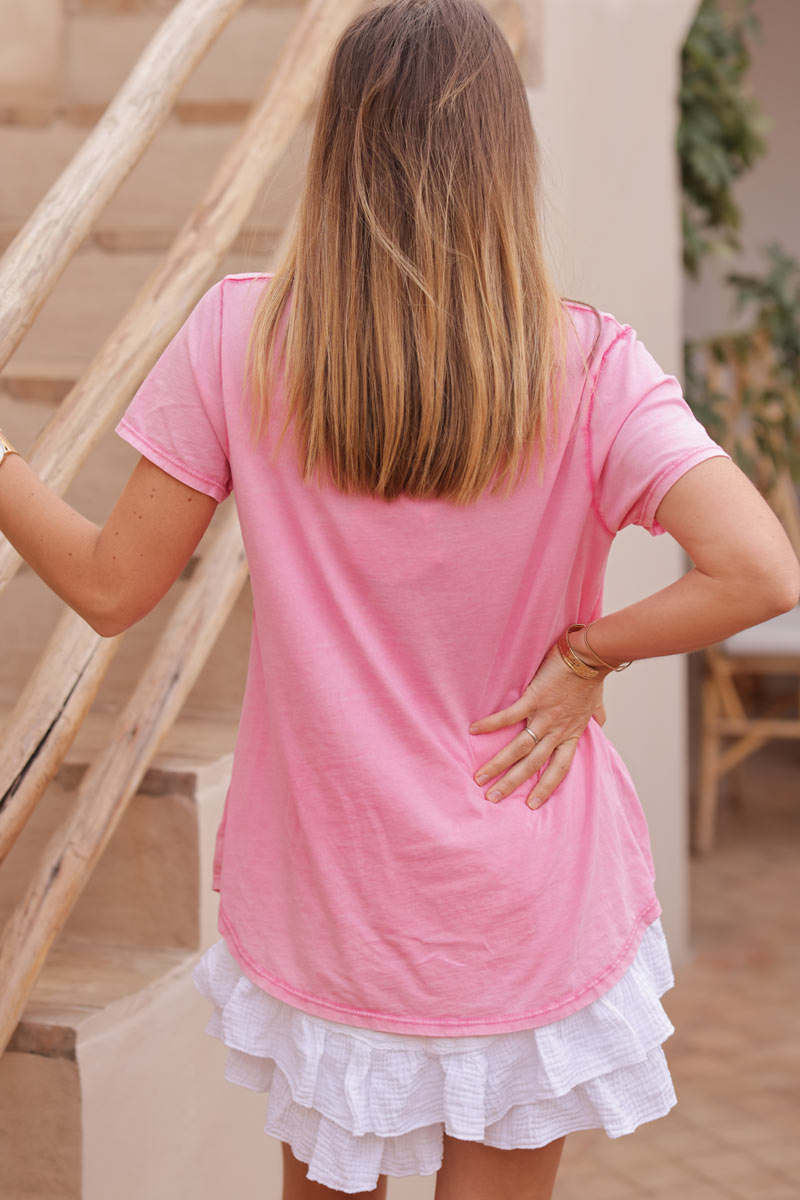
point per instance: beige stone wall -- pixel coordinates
(58, 75)
(606, 114)
(31, 58)
(65, 57)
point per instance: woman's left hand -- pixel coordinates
(557, 705)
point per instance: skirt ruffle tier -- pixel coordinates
(357, 1103)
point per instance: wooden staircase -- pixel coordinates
(113, 1024)
(108, 813)
(102, 43)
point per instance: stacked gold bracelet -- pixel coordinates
(570, 657)
(621, 666)
(581, 668)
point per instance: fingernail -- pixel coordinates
(473, 728)
(532, 802)
(481, 779)
(493, 796)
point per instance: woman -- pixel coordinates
(431, 454)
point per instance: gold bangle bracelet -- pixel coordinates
(575, 664)
(621, 666)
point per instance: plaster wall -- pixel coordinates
(606, 112)
(30, 54)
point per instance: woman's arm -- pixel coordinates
(115, 575)
(744, 572)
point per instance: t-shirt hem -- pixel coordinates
(669, 476)
(170, 464)
(444, 1027)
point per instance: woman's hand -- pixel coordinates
(557, 705)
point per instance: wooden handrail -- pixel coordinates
(38, 255)
(43, 725)
(112, 779)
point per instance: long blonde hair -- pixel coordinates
(424, 341)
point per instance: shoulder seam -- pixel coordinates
(221, 321)
(623, 332)
(607, 317)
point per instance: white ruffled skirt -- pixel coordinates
(357, 1103)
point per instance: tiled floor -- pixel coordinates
(735, 1055)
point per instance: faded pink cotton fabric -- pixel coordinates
(362, 874)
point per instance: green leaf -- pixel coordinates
(722, 129)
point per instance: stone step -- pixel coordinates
(101, 48)
(145, 888)
(196, 742)
(111, 1087)
(161, 191)
(91, 298)
(82, 978)
(114, 7)
(152, 885)
(29, 612)
(46, 381)
(70, 60)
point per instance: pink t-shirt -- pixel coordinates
(363, 876)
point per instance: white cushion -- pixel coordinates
(779, 635)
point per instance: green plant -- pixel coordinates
(776, 299)
(721, 130)
(765, 437)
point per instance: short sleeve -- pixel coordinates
(642, 436)
(177, 418)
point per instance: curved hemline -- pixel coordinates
(431, 1027)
